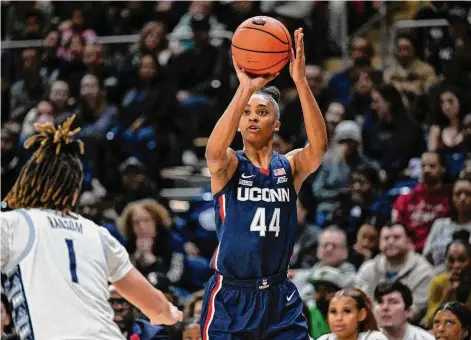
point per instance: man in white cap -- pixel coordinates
(326, 281)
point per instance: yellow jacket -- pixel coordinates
(437, 297)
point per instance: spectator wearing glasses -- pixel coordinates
(393, 308)
(132, 327)
(332, 251)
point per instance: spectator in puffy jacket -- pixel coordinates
(131, 327)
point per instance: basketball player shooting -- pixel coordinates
(255, 191)
(58, 263)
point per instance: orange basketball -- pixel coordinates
(261, 45)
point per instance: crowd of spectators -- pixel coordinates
(388, 212)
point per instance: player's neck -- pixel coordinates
(260, 157)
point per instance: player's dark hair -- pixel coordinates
(54, 173)
(462, 312)
(363, 302)
(274, 95)
(8, 310)
(388, 287)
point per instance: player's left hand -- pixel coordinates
(297, 65)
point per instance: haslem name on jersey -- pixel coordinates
(62, 223)
(263, 194)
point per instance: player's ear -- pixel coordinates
(277, 125)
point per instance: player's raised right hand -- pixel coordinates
(169, 316)
(252, 82)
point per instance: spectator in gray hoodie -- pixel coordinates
(397, 262)
(343, 156)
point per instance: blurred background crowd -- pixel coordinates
(148, 81)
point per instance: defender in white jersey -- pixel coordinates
(58, 263)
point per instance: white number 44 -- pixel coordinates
(259, 222)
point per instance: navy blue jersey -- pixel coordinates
(256, 220)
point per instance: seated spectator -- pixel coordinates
(292, 114)
(183, 29)
(326, 281)
(443, 228)
(334, 115)
(30, 89)
(148, 102)
(151, 245)
(341, 83)
(360, 97)
(72, 67)
(59, 97)
(51, 63)
(351, 317)
(57, 106)
(454, 55)
(452, 321)
(194, 305)
(455, 283)
(428, 201)
(331, 181)
(385, 136)
(305, 246)
(76, 25)
(446, 134)
(11, 156)
(397, 262)
(192, 330)
(332, 251)
(152, 40)
(135, 184)
(94, 61)
(408, 73)
(446, 129)
(201, 75)
(130, 326)
(93, 114)
(360, 203)
(366, 246)
(393, 309)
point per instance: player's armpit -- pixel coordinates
(303, 163)
(222, 170)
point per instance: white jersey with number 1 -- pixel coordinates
(58, 270)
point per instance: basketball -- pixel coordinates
(261, 45)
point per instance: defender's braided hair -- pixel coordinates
(54, 173)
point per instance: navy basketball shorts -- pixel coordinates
(268, 308)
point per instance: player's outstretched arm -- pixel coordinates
(222, 160)
(152, 302)
(305, 161)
